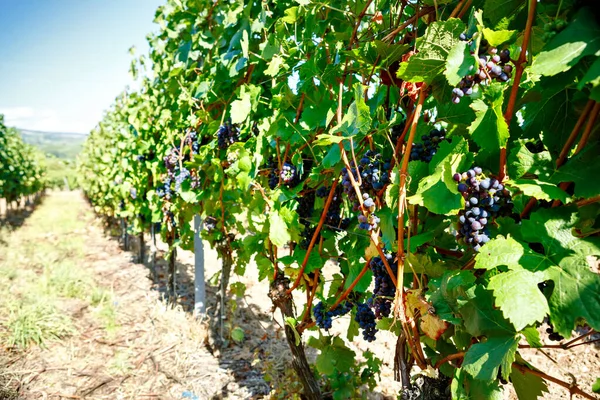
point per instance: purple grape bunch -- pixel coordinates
(485, 199)
(493, 65)
(227, 135)
(384, 291)
(288, 173)
(192, 140)
(324, 318)
(368, 221)
(429, 145)
(366, 320)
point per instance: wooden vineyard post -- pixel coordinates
(153, 251)
(171, 281)
(199, 284)
(142, 248)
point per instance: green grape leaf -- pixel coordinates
(278, 230)
(459, 63)
(521, 162)
(581, 169)
(528, 386)
(481, 317)
(482, 360)
(552, 108)
(489, 130)
(240, 109)
(510, 288)
(552, 228)
(358, 117)
(592, 76)
(438, 191)
(532, 335)
(576, 295)
(538, 189)
(580, 38)
(496, 38)
(507, 251)
(501, 13)
(335, 357)
(434, 47)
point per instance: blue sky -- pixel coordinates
(62, 62)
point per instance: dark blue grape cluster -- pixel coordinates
(366, 320)
(171, 218)
(384, 291)
(397, 130)
(140, 158)
(374, 175)
(429, 145)
(306, 205)
(133, 193)
(485, 199)
(181, 176)
(228, 134)
(493, 65)
(323, 191)
(334, 219)
(324, 318)
(373, 172)
(171, 161)
(210, 223)
(288, 173)
(368, 221)
(192, 140)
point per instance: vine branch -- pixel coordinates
(520, 66)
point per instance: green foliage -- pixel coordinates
(308, 83)
(22, 167)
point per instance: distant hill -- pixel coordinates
(61, 144)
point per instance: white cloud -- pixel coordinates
(46, 120)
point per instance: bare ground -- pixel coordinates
(146, 349)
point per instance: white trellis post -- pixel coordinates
(199, 286)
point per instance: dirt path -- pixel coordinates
(108, 334)
(122, 342)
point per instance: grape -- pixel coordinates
(366, 320)
(323, 318)
(484, 198)
(133, 193)
(430, 143)
(227, 135)
(183, 174)
(210, 223)
(323, 191)
(384, 290)
(492, 64)
(288, 173)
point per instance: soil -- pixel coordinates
(163, 352)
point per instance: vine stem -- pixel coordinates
(457, 9)
(352, 285)
(569, 143)
(450, 357)
(510, 108)
(411, 20)
(402, 203)
(582, 142)
(564, 151)
(464, 9)
(588, 129)
(314, 237)
(311, 296)
(573, 388)
(358, 21)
